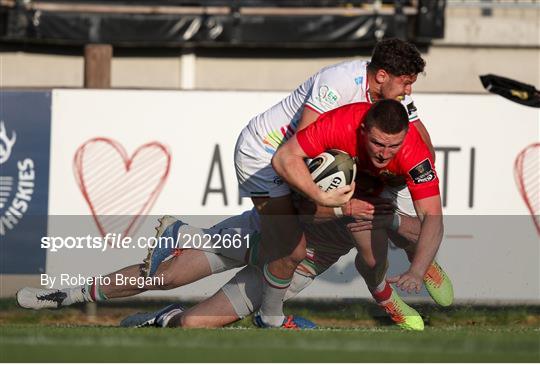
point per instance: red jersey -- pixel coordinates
(340, 129)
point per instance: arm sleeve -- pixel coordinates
(332, 88)
(412, 112)
(419, 170)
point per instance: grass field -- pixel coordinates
(459, 334)
(31, 343)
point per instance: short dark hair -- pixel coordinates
(388, 115)
(396, 57)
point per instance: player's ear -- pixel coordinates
(381, 76)
(363, 129)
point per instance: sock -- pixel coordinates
(382, 292)
(274, 290)
(84, 294)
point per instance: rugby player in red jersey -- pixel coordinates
(387, 148)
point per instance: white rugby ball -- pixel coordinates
(332, 169)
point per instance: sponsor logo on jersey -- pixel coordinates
(359, 80)
(423, 172)
(327, 97)
(16, 188)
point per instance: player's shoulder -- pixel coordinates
(352, 114)
(351, 70)
(413, 136)
(413, 144)
(358, 107)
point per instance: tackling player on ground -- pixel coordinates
(239, 297)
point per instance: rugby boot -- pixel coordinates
(290, 322)
(168, 227)
(438, 285)
(401, 314)
(35, 298)
(158, 318)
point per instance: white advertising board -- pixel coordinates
(477, 136)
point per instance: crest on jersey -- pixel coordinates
(423, 172)
(328, 97)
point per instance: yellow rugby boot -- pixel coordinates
(438, 285)
(402, 314)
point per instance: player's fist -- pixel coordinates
(367, 207)
(336, 197)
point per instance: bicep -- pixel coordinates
(428, 206)
(308, 116)
(292, 147)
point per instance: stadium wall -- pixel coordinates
(504, 43)
(490, 248)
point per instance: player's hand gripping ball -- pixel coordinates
(332, 169)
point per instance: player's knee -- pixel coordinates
(298, 253)
(370, 263)
(292, 248)
(298, 256)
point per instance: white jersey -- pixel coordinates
(332, 87)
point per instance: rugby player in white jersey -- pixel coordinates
(393, 69)
(328, 240)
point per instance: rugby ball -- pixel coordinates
(332, 169)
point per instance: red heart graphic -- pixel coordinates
(120, 190)
(527, 175)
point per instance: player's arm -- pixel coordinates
(288, 162)
(309, 115)
(363, 211)
(409, 228)
(429, 211)
(412, 112)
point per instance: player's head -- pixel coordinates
(394, 66)
(383, 131)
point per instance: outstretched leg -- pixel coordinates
(189, 266)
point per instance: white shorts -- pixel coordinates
(253, 164)
(402, 197)
(244, 290)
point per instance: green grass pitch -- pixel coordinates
(37, 343)
(354, 331)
